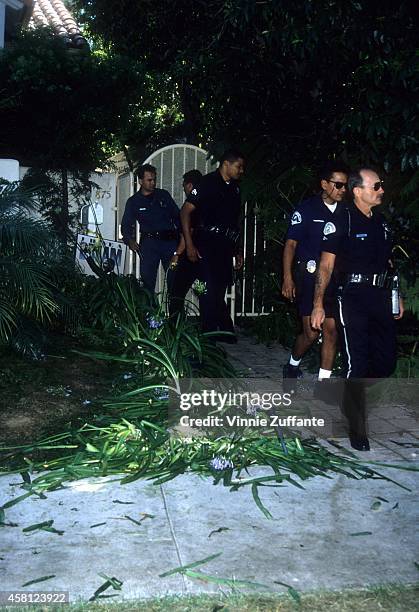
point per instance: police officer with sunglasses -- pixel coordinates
(301, 256)
(360, 247)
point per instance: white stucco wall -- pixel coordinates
(9, 169)
(105, 195)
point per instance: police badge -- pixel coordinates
(311, 266)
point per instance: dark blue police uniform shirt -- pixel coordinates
(218, 203)
(155, 213)
(307, 224)
(362, 244)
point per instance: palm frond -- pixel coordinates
(7, 319)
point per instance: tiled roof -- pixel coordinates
(53, 13)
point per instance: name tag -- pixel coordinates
(361, 236)
(142, 209)
(318, 220)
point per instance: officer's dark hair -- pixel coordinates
(192, 176)
(146, 168)
(355, 179)
(231, 155)
(329, 169)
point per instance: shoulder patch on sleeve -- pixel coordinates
(329, 228)
(296, 218)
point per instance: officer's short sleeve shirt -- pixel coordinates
(362, 244)
(155, 212)
(307, 226)
(217, 202)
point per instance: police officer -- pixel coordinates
(158, 216)
(302, 251)
(360, 246)
(185, 271)
(215, 240)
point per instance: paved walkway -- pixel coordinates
(392, 424)
(335, 533)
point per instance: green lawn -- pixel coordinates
(392, 598)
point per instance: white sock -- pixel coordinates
(324, 373)
(294, 362)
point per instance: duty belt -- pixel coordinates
(375, 280)
(162, 235)
(225, 232)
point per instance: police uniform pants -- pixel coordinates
(214, 312)
(369, 345)
(152, 251)
(183, 276)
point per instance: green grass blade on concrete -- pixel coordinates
(36, 580)
(258, 502)
(16, 500)
(36, 526)
(291, 591)
(181, 569)
(230, 582)
(113, 583)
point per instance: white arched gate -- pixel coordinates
(171, 163)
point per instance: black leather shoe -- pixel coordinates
(360, 443)
(290, 371)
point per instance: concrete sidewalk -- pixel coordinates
(309, 543)
(336, 533)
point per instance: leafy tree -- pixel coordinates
(62, 110)
(310, 78)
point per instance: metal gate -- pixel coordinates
(171, 163)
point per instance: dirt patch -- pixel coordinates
(50, 396)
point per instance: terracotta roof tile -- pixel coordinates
(53, 13)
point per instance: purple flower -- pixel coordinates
(161, 394)
(221, 463)
(154, 323)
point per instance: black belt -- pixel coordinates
(162, 235)
(375, 280)
(224, 232)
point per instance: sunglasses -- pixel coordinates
(378, 185)
(338, 184)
